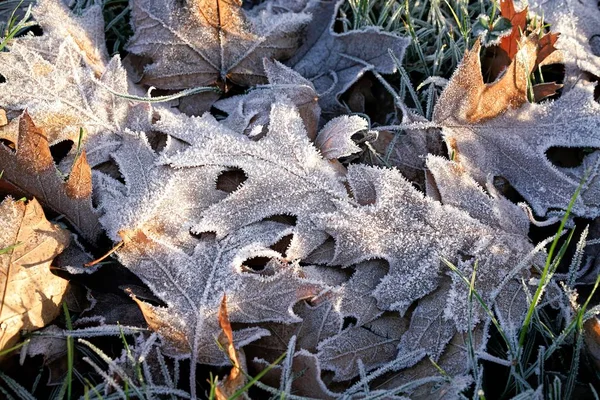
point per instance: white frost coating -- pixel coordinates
(334, 140)
(413, 233)
(163, 201)
(193, 285)
(578, 22)
(514, 146)
(286, 174)
(63, 96)
(190, 46)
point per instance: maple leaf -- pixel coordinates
(31, 294)
(334, 61)
(192, 286)
(202, 42)
(286, 174)
(491, 139)
(31, 168)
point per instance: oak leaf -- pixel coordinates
(494, 132)
(192, 286)
(334, 61)
(63, 96)
(250, 112)
(31, 294)
(286, 174)
(202, 42)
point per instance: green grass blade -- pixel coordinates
(546, 270)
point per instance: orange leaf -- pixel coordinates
(519, 22)
(30, 167)
(543, 90)
(546, 46)
(236, 379)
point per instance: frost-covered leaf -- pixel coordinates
(286, 174)
(334, 140)
(319, 322)
(31, 294)
(192, 287)
(410, 232)
(490, 207)
(429, 329)
(374, 344)
(491, 140)
(250, 112)
(162, 202)
(306, 372)
(63, 96)
(201, 42)
(334, 61)
(31, 168)
(59, 23)
(578, 22)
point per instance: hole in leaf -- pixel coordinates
(231, 180)
(507, 190)
(595, 45)
(204, 236)
(157, 140)
(567, 157)
(256, 264)
(60, 150)
(349, 322)
(111, 169)
(2, 79)
(283, 219)
(282, 245)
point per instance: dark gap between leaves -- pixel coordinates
(60, 150)
(157, 140)
(283, 219)
(111, 169)
(349, 322)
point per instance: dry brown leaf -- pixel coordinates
(31, 294)
(32, 169)
(478, 101)
(236, 378)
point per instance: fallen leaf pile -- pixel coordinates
(342, 266)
